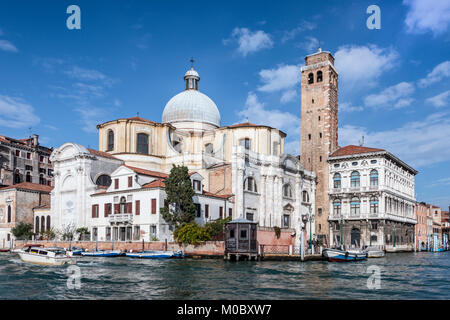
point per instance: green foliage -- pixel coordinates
(277, 231)
(153, 238)
(23, 231)
(83, 231)
(216, 227)
(191, 233)
(68, 232)
(179, 195)
(49, 234)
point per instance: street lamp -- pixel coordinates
(310, 228)
(341, 226)
(394, 235)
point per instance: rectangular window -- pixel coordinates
(116, 183)
(221, 212)
(153, 206)
(107, 209)
(130, 182)
(28, 155)
(17, 153)
(95, 211)
(249, 216)
(198, 210)
(197, 185)
(286, 221)
(94, 234)
(108, 233)
(137, 233)
(138, 207)
(230, 212)
(41, 158)
(206, 211)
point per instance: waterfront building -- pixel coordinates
(319, 129)
(371, 198)
(16, 205)
(245, 160)
(421, 212)
(24, 160)
(437, 220)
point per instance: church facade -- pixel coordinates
(239, 170)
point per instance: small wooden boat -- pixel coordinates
(339, 255)
(102, 253)
(4, 250)
(153, 254)
(46, 256)
(375, 252)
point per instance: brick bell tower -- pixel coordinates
(319, 128)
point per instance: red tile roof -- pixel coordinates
(147, 172)
(351, 149)
(29, 186)
(102, 154)
(140, 119)
(245, 124)
(223, 196)
(155, 184)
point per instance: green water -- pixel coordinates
(402, 276)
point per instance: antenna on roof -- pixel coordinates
(29, 131)
(192, 62)
(137, 113)
(246, 119)
(361, 142)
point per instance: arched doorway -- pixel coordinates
(356, 237)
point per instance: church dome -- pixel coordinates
(191, 105)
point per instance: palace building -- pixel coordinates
(239, 170)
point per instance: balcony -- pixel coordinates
(118, 218)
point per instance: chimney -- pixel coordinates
(35, 140)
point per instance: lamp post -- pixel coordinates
(341, 226)
(394, 235)
(311, 219)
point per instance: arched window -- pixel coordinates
(17, 177)
(110, 140)
(209, 148)
(250, 185)
(310, 78)
(305, 196)
(337, 204)
(354, 179)
(36, 227)
(142, 143)
(337, 181)
(319, 76)
(28, 177)
(355, 205)
(9, 214)
(103, 180)
(48, 222)
(287, 191)
(123, 204)
(42, 224)
(374, 205)
(374, 178)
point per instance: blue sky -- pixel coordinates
(130, 57)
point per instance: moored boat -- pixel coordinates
(151, 254)
(75, 251)
(339, 255)
(102, 253)
(45, 256)
(374, 252)
(4, 250)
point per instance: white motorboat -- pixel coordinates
(46, 256)
(26, 247)
(375, 252)
(334, 254)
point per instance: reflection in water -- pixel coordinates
(403, 276)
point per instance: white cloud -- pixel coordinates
(425, 15)
(256, 112)
(348, 107)
(397, 96)
(310, 45)
(439, 72)
(84, 74)
(418, 143)
(441, 100)
(16, 113)
(288, 96)
(281, 78)
(363, 65)
(291, 34)
(249, 41)
(90, 117)
(6, 45)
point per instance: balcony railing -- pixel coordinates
(121, 218)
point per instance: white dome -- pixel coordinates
(191, 105)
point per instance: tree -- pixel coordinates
(191, 233)
(23, 231)
(181, 209)
(68, 232)
(82, 232)
(49, 234)
(217, 227)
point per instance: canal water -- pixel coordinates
(401, 276)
